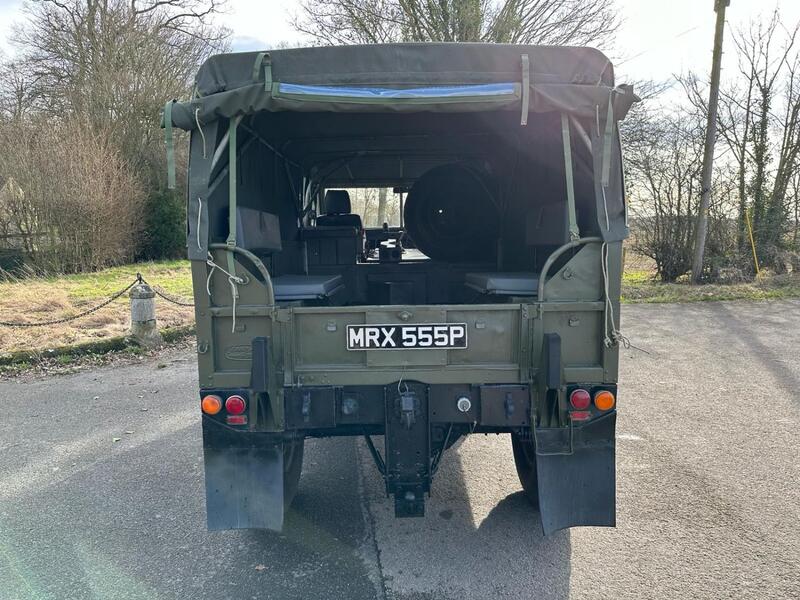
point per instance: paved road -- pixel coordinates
(709, 503)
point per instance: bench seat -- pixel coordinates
(306, 287)
(503, 284)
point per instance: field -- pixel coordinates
(45, 299)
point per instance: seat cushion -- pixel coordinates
(349, 220)
(257, 230)
(306, 287)
(503, 284)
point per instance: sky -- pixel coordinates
(658, 38)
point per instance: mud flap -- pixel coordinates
(251, 488)
(577, 475)
(244, 488)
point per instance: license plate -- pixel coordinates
(428, 336)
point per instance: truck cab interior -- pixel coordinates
(482, 201)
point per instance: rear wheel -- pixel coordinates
(525, 461)
(292, 466)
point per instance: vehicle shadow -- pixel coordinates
(776, 362)
(539, 563)
(480, 537)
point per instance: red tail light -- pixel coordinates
(580, 399)
(235, 405)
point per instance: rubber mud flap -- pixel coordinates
(579, 489)
(245, 488)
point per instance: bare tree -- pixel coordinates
(663, 176)
(114, 62)
(382, 194)
(759, 120)
(663, 159)
(554, 22)
(18, 93)
(83, 99)
(76, 202)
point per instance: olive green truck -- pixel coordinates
(485, 299)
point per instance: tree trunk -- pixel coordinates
(382, 206)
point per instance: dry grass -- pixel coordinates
(45, 299)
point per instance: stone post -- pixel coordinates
(144, 328)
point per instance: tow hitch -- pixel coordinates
(407, 447)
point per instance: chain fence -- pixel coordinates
(137, 280)
(163, 294)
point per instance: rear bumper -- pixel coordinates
(328, 411)
(321, 411)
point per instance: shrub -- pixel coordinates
(80, 200)
(164, 234)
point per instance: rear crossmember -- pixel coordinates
(418, 421)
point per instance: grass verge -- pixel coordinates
(639, 286)
(63, 356)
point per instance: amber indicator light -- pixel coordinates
(604, 400)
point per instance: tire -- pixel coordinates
(292, 467)
(525, 461)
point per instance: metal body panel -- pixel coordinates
(321, 356)
(294, 363)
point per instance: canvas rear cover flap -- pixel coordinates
(562, 78)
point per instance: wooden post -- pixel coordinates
(708, 153)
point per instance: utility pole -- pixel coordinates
(708, 152)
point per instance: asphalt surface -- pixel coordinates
(708, 492)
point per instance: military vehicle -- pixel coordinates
(491, 308)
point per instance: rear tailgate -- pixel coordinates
(496, 336)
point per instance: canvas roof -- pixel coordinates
(559, 78)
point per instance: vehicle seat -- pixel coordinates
(306, 287)
(337, 211)
(503, 284)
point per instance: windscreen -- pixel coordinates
(376, 206)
